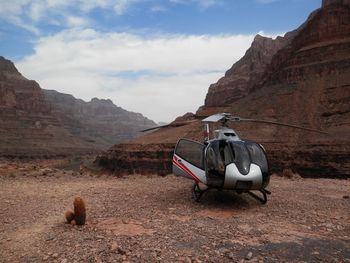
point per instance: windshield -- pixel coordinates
(220, 153)
(257, 155)
(241, 157)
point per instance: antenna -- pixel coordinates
(206, 132)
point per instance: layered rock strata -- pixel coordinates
(27, 127)
(41, 123)
(98, 121)
(241, 78)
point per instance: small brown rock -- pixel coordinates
(249, 256)
(121, 251)
(114, 247)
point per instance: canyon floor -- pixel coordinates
(154, 219)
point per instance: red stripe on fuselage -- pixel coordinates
(185, 169)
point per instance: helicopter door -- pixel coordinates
(188, 160)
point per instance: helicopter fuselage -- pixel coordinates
(224, 163)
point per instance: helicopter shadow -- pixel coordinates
(227, 200)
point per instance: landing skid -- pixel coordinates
(197, 192)
(264, 193)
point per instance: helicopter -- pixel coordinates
(224, 162)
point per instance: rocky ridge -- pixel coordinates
(241, 78)
(38, 123)
(28, 129)
(306, 82)
(98, 121)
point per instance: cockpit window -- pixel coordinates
(211, 158)
(191, 152)
(218, 155)
(227, 154)
(241, 157)
(257, 155)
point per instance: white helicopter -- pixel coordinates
(225, 162)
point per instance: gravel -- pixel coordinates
(153, 219)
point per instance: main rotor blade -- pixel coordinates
(176, 124)
(280, 124)
(154, 128)
(216, 117)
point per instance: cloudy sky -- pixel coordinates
(157, 57)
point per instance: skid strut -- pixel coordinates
(197, 192)
(264, 193)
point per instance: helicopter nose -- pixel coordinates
(245, 170)
(243, 167)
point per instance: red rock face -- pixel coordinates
(306, 82)
(18, 93)
(332, 2)
(28, 129)
(138, 158)
(38, 123)
(98, 121)
(240, 79)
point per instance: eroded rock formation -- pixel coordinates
(40, 123)
(241, 78)
(98, 121)
(28, 129)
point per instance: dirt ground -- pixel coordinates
(154, 219)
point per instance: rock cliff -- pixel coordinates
(28, 129)
(332, 2)
(240, 79)
(98, 121)
(308, 83)
(304, 80)
(40, 123)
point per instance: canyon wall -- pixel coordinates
(240, 79)
(98, 121)
(27, 127)
(36, 123)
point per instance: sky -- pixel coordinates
(156, 57)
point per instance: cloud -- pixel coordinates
(12, 11)
(201, 3)
(121, 6)
(207, 3)
(161, 76)
(158, 8)
(76, 21)
(31, 14)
